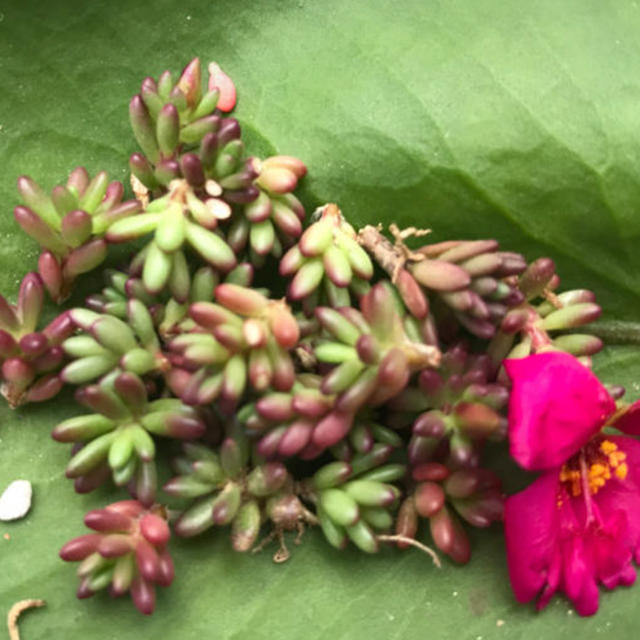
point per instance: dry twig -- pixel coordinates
(414, 543)
(14, 614)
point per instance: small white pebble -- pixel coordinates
(455, 593)
(499, 623)
(15, 501)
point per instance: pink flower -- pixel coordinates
(578, 524)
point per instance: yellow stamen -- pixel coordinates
(621, 471)
(598, 472)
(616, 458)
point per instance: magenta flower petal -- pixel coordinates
(611, 554)
(579, 583)
(530, 531)
(556, 406)
(558, 542)
(629, 421)
(624, 494)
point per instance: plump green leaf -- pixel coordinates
(514, 120)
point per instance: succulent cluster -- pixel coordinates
(442, 496)
(470, 283)
(31, 360)
(453, 410)
(106, 344)
(242, 338)
(355, 499)
(128, 552)
(117, 440)
(532, 326)
(327, 263)
(353, 402)
(227, 491)
(70, 225)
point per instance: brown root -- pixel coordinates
(414, 543)
(14, 614)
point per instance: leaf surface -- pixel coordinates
(515, 120)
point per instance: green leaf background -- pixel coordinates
(516, 120)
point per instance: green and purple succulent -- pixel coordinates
(70, 225)
(357, 394)
(31, 359)
(126, 554)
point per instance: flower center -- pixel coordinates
(603, 460)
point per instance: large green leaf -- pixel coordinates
(516, 120)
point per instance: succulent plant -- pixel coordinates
(70, 225)
(225, 489)
(327, 262)
(176, 220)
(120, 286)
(272, 220)
(31, 359)
(128, 553)
(168, 118)
(243, 337)
(470, 281)
(109, 345)
(169, 316)
(367, 437)
(455, 409)
(354, 501)
(283, 421)
(185, 139)
(376, 353)
(175, 315)
(533, 325)
(443, 496)
(380, 397)
(117, 439)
